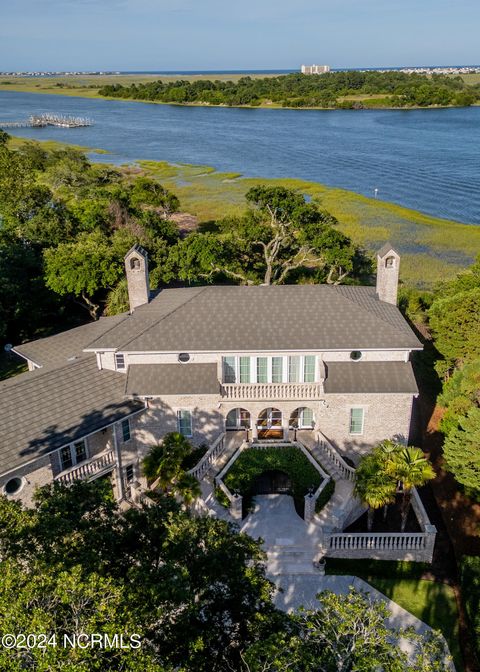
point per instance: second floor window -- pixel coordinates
(244, 369)
(278, 369)
(72, 454)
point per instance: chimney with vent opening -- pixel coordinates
(388, 267)
(136, 267)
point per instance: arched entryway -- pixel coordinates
(237, 418)
(302, 418)
(269, 424)
(272, 482)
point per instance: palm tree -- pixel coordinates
(373, 486)
(164, 466)
(410, 469)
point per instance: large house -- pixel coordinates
(261, 361)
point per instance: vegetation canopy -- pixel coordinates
(330, 90)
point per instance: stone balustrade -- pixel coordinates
(210, 457)
(346, 471)
(268, 391)
(88, 469)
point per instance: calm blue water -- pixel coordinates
(428, 160)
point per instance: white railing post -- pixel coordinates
(304, 391)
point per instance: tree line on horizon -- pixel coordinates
(397, 89)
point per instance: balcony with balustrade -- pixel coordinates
(89, 469)
(266, 391)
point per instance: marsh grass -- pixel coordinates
(432, 249)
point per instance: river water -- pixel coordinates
(428, 160)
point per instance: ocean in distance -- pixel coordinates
(428, 160)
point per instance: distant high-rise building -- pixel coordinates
(315, 69)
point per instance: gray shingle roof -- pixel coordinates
(370, 377)
(44, 409)
(57, 350)
(387, 247)
(164, 379)
(274, 318)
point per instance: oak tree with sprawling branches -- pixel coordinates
(280, 235)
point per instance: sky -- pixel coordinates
(244, 34)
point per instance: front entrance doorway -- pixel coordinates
(269, 424)
(271, 483)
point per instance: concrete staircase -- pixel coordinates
(343, 505)
(208, 505)
(290, 559)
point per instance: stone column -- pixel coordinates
(431, 532)
(309, 510)
(118, 465)
(236, 507)
(254, 429)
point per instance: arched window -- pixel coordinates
(134, 263)
(389, 262)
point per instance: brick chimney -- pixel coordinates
(136, 267)
(388, 267)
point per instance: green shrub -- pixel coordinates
(470, 583)
(255, 461)
(325, 496)
(221, 497)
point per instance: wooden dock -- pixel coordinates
(43, 120)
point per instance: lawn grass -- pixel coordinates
(432, 602)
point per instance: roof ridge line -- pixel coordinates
(163, 317)
(105, 332)
(369, 312)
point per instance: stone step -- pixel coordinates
(279, 568)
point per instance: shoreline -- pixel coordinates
(433, 249)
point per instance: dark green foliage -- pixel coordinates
(167, 464)
(348, 633)
(193, 588)
(325, 496)
(221, 497)
(455, 323)
(280, 238)
(65, 226)
(296, 90)
(470, 582)
(455, 320)
(255, 461)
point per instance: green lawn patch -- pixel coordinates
(433, 603)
